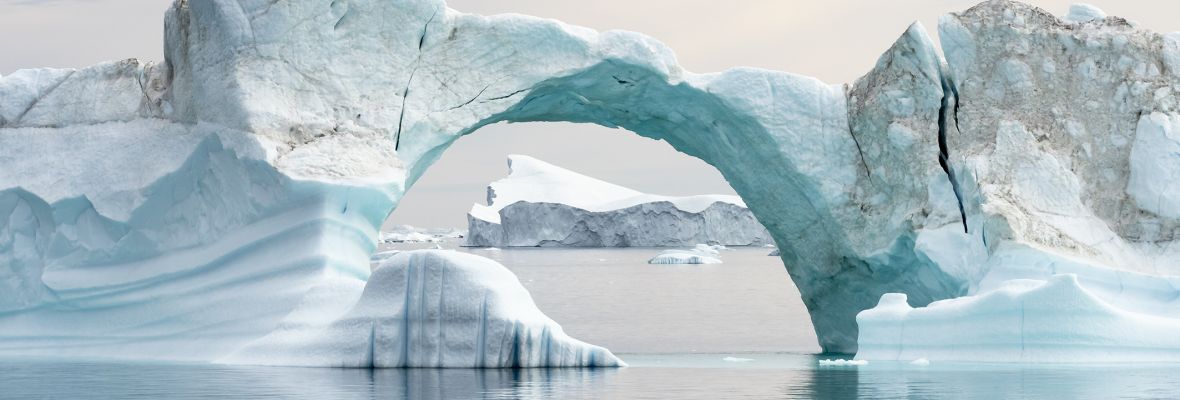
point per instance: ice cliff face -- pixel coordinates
(541, 204)
(203, 199)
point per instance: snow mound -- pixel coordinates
(540, 204)
(701, 254)
(429, 309)
(1025, 320)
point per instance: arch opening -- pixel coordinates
(747, 304)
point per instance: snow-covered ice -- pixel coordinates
(541, 204)
(840, 362)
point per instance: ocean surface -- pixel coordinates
(733, 330)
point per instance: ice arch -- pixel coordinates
(276, 137)
(803, 153)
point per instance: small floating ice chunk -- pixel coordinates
(736, 359)
(701, 254)
(491, 249)
(921, 362)
(840, 362)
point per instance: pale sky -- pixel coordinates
(833, 40)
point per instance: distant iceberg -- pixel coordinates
(701, 254)
(410, 234)
(541, 204)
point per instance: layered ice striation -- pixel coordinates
(183, 209)
(424, 308)
(540, 204)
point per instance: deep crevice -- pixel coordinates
(950, 104)
(397, 138)
(859, 151)
(507, 95)
(485, 88)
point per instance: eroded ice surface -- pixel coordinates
(541, 204)
(423, 308)
(1025, 320)
(699, 254)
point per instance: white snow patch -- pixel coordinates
(535, 181)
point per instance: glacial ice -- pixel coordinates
(410, 234)
(540, 204)
(840, 362)
(179, 210)
(1081, 13)
(1024, 320)
(699, 254)
(424, 308)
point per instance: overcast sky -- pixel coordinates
(833, 40)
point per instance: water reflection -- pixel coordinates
(663, 377)
(987, 381)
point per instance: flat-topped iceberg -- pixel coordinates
(425, 308)
(541, 204)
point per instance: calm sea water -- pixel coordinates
(734, 330)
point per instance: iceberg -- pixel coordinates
(701, 254)
(840, 362)
(540, 204)
(410, 234)
(427, 309)
(1024, 320)
(181, 209)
